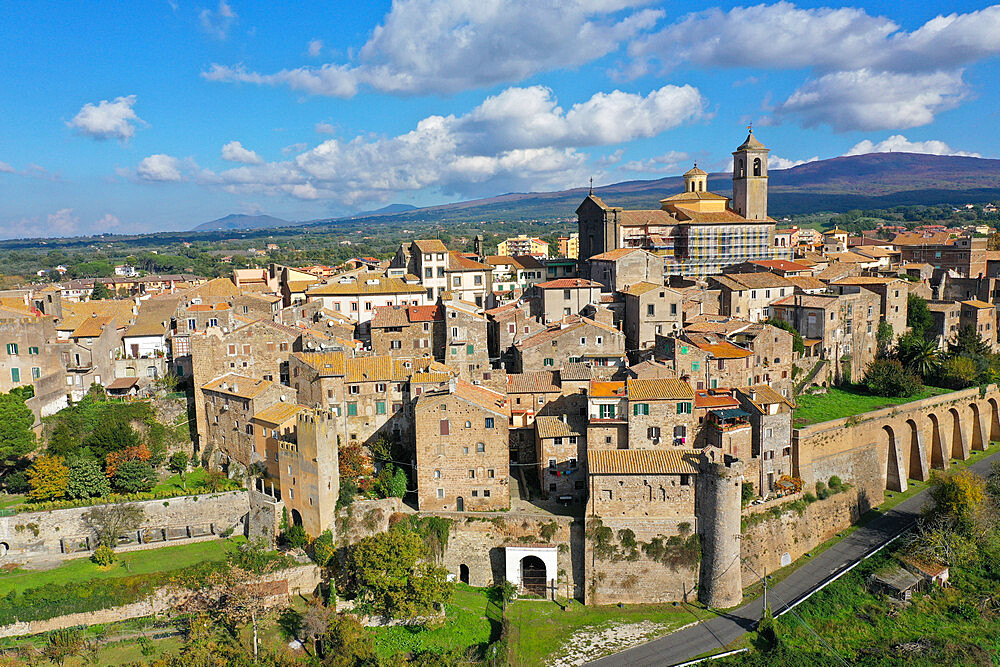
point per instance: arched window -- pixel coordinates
(739, 168)
(756, 166)
(701, 186)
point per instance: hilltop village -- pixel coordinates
(635, 391)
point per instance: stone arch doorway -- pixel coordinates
(939, 452)
(296, 518)
(918, 455)
(533, 577)
(895, 473)
(979, 433)
(463, 573)
(460, 504)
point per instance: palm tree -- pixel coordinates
(920, 356)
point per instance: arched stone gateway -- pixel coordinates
(939, 454)
(463, 573)
(533, 576)
(979, 431)
(296, 518)
(532, 569)
(895, 475)
(917, 462)
(959, 439)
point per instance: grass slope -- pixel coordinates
(837, 403)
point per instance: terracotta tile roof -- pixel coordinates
(657, 389)
(459, 262)
(919, 238)
(763, 394)
(215, 288)
(644, 461)
(641, 218)
(575, 371)
(616, 254)
(822, 301)
(357, 287)
(478, 395)
(976, 303)
(720, 324)
(715, 217)
(567, 283)
(548, 426)
(718, 348)
(278, 413)
(528, 262)
(237, 385)
(123, 383)
(533, 382)
(642, 287)
(863, 280)
(375, 369)
(757, 280)
(607, 389)
(92, 327)
(430, 245)
(807, 282)
(207, 307)
(714, 399)
(781, 265)
(327, 363)
(434, 377)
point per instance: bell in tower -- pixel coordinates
(750, 179)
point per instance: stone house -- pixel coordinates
(607, 415)
(566, 296)
(89, 354)
(468, 279)
(529, 393)
(271, 425)
(571, 340)
(30, 352)
(982, 317)
(506, 324)
(359, 297)
(771, 442)
(750, 295)
(409, 331)
(427, 259)
(375, 396)
(947, 318)
(309, 471)
(230, 402)
(708, 361)
(773, 355)
(617, 269)
(561, 452)
(513, 274)
(466, 341)
(892, 293)
(651, 310)
(462, 449)
(643, 483)
(660, 413)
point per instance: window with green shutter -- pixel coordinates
(454, 350)
(15, 375)
(640, 409)
(696, 365)
(352, 409)
(470, 349)
(32, 350)
(36, 372)
(684, 349)
(380, 407)
(11, 348)
(548, 361)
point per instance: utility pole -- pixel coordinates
(764, 610)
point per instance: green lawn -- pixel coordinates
(195, 482)
(470, 623)
(539, 629)
(148, 561)
(11, 500)
(845, 402)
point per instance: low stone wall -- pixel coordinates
(778, 541)
(367, 517)
(301, 579)
(57, 534)
(642, 580)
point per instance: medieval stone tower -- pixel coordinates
(310, 472)
(750, 179)
(720, 583)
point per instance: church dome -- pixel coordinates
(695, 171)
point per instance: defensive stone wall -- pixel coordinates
(58, 534)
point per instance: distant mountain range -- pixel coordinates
(875, 180)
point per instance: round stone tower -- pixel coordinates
(719, 489)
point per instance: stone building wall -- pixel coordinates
(37, 536)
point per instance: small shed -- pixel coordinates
(123, 388)
(930, 571)
(895, 581)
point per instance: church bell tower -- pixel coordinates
(750, 179)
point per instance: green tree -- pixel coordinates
(348, 644)
(958, 372)
(17, 440)
(109, 522)
(63, 644)
(888, 377)
(48, 477)
(883, 337)
(917, 354)
(134, 477)
(87, 480)
(392, 576)
(178, 464)
(324, 549)
(969, 342)
(918, 315)
(961, 498)
(111, 435)
(390, 482)
(100, 292)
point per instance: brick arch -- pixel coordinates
(895, 473)
(939, 452)
(917, 462)
(959, 436)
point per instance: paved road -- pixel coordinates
(712, 635)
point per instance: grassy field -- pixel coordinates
(162, 559)
(845, 402)
(195, 482)
(472, 621)
(539, 629)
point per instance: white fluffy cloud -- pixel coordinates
(669, 162)
(445, 46)
(777, 162)
(235, 152)
(315, 48)
(897, 143)
(869, 100)
(61, 223)
(218, 23)
(518, 139)
(107, 120)
(159, 167)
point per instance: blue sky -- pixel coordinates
(130, 117)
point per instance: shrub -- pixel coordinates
(87, 480)
(295, 537)
(820, 488)
(16, 482)
(835, 483)
(323, 548)
(134, 476)
(48, 477)
(104, 556)
(888, 377)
